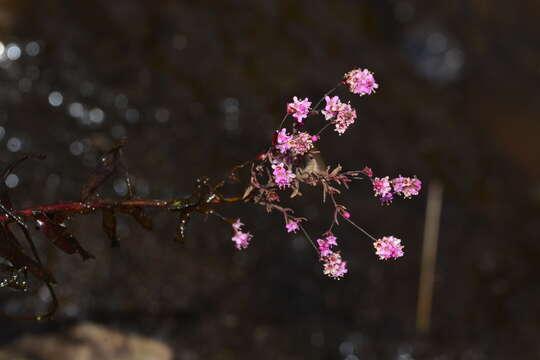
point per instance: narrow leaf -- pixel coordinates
(56, 231)
(106, 167)
(15, 255)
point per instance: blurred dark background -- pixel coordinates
(198, 86)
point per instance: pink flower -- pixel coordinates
(411, 187)
(301, 143)
(299, 109)
(388, 247)
(334, 266)
(283, 141)
(346, 214)
(381, 186)
(282, 176)
(387, 198)
(397, 183)
(326, 244)
(345, 117)
(292, 226)
(237, 225)
(332, 108)
(406, 186)
(241, 239)
(361, 82)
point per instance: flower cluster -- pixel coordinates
(333, 265)
(240, 238)
(384, 188)
(325, 245)
(388, 247)
(298, 144)
(342, 115)
(288, 164)
(299, 109)
(406, 186)
(361, 82)
(282, 175)
(292, 226)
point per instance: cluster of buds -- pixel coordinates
(283, 167)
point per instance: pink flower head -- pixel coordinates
(411, 187)
(381, 186)
(345, 117)
(242, 239)
(292, 226)
(326, 244)
(299, 109)
(346, 214)
(282, 176)
(283, 141)
(388, 247)
(406, 186)
(332, 108)
(334, 266)
(361, 82)
(397, 183)
(301, 143)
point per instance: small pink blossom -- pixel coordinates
(397, 183)
(299, 109)
(282, 176)
(381, 186)
(411, 187)
(387, 198)
(406, 186)
(301, 143)
(326, 244)
(332, 108)
(346, 214)
(283, 141)
(334, 266)
(242, 239)
(292, 226)
(388, 247)
(237, 225)
(314, 138)
(345, 117)
(361, 82)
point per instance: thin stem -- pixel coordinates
(325, 95)
(283, 121)
(359, 228)
(309, 239)
(324, 128)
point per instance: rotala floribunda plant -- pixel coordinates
(289, 164)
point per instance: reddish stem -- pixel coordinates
(85, 208)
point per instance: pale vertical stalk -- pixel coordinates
(429, 256)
